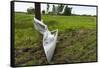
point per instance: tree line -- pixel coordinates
(56, 10)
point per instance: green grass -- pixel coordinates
(70, 22)
(76, 39)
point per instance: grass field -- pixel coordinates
(76, 39)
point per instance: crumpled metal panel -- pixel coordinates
(49, 38)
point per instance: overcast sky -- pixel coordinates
(22, 7)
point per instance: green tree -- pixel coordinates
(60, 8)
(67, 11)
(54, 9)
(48, 7)
(43, 12)
(30, 10)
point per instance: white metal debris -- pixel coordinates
(49, 38)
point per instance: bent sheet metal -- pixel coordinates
(49, 38)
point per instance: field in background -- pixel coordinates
(76, 39)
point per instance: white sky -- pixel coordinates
(22, 7)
